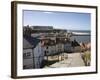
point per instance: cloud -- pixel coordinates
(48, 12)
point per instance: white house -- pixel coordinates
(68, 46)
(71, 46)
(59, 47)
(76, 46)
(32, 53)
(49, 47)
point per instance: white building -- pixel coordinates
(49, 47)
(76, 46)
(32, 53)
(59, 47)
(68, 46)
(49, 50)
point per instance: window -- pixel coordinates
(45, 53)
(26, 55)
(47, 47)
(29, 54)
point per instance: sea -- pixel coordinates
(81, 38)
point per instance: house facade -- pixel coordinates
(49, 47)
(32, 53)
(28, 62)
(59, 47)
(68, 47)
(76, 46)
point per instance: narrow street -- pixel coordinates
(73, 60)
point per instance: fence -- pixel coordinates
(41, 61)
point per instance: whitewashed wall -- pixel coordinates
(68, 47)
(38, 55)
(28, 61)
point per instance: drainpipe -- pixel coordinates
(33, 57)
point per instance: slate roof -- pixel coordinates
(30, 42)
(49, 43)
(75, 43)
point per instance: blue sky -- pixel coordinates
(60, 20)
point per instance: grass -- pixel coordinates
(88, 55)
(87, 58)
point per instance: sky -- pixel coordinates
(59, 20)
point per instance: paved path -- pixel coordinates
(74, 60)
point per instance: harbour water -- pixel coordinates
(81, 38)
